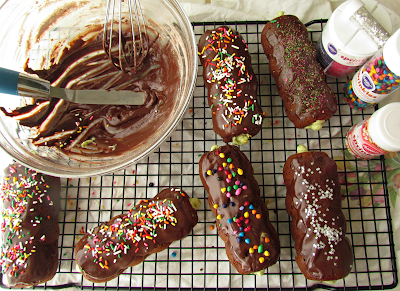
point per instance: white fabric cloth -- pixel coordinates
(240, 10)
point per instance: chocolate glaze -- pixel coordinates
(244, 233)
(230, 82)
(102, 129)
(300, 79)
(313, 200)
(31, 205)
(102, 267)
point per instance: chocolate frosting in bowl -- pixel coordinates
(101, 129)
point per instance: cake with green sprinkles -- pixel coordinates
(107, 250)
(318, 227)
(29, 227)
(300, 79)
(231, 85)
(251, 241)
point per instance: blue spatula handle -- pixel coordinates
(8, 81)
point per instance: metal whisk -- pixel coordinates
(125, 38)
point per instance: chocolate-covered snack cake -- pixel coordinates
(29, 227)
(251, 242)
(300, 79)
(313, 201)
(231, 85)
(128, 239)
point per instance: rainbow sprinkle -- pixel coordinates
(139, 226)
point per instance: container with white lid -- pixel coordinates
(355, 31)
(377, 135)
(377, 78)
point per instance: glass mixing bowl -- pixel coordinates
(32, 27)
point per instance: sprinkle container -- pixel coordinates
(376, 135)
(379, 77)
(354, 32)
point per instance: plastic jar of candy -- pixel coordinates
(354, 33)
(376, 135)
(377, 78)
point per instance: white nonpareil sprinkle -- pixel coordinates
(323, 230)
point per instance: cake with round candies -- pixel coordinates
(251, 241)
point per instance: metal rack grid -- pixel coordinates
(199, 261)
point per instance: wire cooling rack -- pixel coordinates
(199, 261)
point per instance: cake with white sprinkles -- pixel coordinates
(318, 227)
